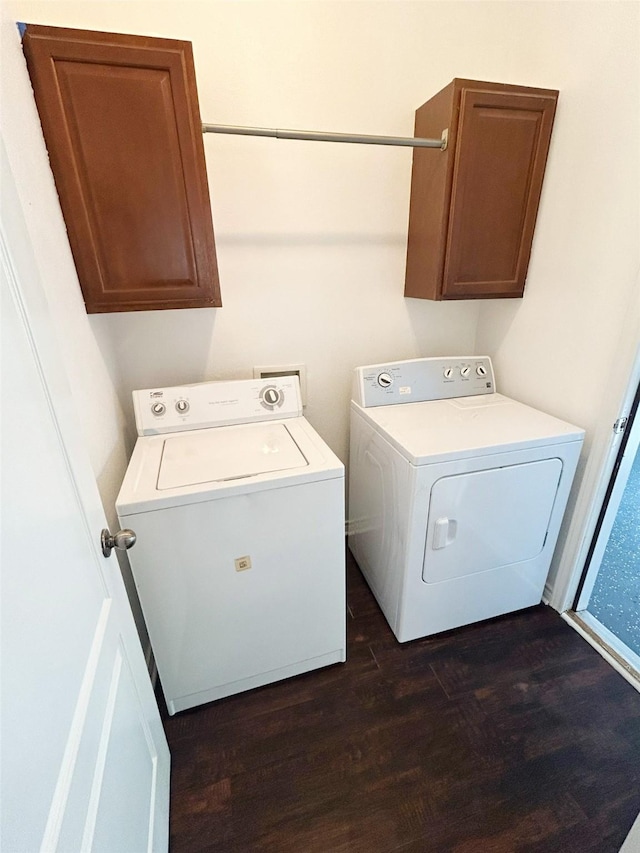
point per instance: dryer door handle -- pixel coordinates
(444, 532)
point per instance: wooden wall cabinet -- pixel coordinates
(122, 125)
(473, 206)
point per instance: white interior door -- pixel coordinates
(85, 764)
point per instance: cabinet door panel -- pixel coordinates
(501, 152)
(121, 121)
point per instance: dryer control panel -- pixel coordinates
(422, 379)
(211, 404)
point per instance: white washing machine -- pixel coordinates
(238, 507)
(456, 493)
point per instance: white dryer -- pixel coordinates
(238, 507)
(456, 493)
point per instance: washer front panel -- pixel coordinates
(242, 591)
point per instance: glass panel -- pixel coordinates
(615, 600)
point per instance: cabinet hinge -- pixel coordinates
(620, 425)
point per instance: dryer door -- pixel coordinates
(486, 519)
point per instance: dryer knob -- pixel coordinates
(385, 380)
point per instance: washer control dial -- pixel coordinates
(182, 407)
(481, 370)
(448, 373)
(271, 397)
(385, 379)
(158, 409)
(465, 371)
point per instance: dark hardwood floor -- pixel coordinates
(510, 735)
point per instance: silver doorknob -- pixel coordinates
(122, 540)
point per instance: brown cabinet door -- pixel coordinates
(501, 151)
(474, 205)
(122, 126)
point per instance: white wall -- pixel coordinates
(557, 347)
(565, 347)
(311, 237)
(90, 358)
(90, 362)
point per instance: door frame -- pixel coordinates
(610, 505)
(624, 659)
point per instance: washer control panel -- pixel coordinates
(422, 379)
(210, 404)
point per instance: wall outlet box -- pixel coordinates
(275, 370)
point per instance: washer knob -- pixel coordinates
(158, 409)
(271, 397)
(385, 380)
(448, 373)
(481, 370)
(465, 371)
(182, 407)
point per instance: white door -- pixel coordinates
(85, 764)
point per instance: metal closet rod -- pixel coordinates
(318, 136)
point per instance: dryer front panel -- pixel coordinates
(483, 520)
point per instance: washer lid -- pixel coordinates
(440, 430)
(316, 462)
(227, 453)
